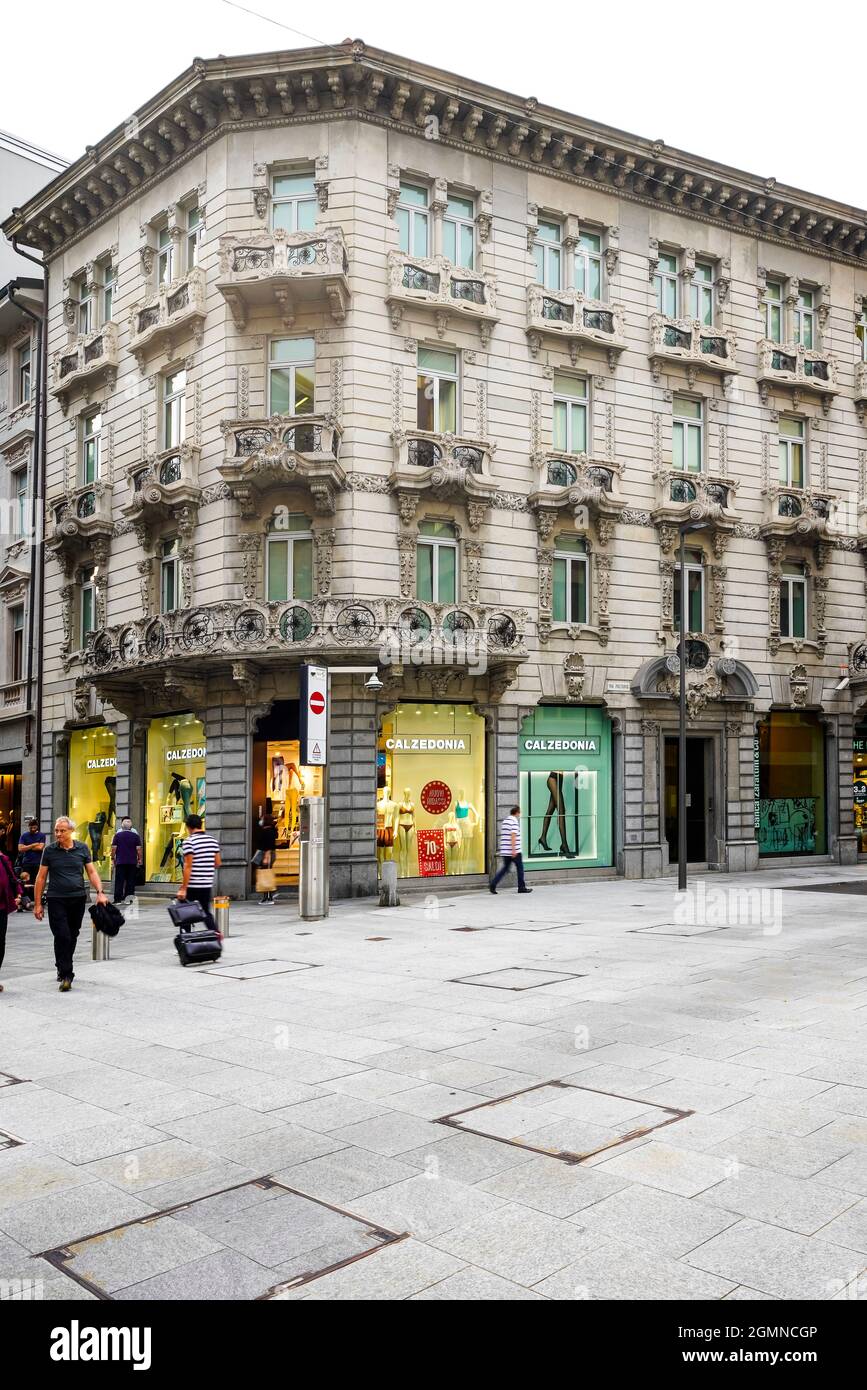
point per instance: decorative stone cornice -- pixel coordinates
(354, 81)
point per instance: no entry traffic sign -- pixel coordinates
(317, 702)
(313, 715)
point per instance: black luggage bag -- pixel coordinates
(194, 947)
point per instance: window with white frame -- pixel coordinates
(16, 626)
(793, 601)
(87, 607)
(174, 408)
(571, 414)
(289, 558)
(91, 446)
(86, 305)
(437, 390)
(687, 434)
(169, 566)
(436, 562)
(109, 282)
(571, 576)
(293, 201)
(694, 592)
(666, 285)
(413, 219)
(192, 235)
(588, 265)
(805, 317)
(548, 254)
(165, 256)
(792, 449)
(290, 376)
(19, 484)
(774, 300)
(861, 331)
(23, 367)
(701, 292)
(459, 230)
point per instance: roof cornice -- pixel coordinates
(351, 80)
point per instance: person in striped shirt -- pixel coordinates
(510, 849)
(201, 855)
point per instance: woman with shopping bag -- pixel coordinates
(266, 851)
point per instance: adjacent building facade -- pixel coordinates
(355, 362)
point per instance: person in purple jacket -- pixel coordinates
(10, 892)
(126, 856)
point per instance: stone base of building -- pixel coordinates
(353, 879)
(847, 849)
(740, 856)
(643, 861)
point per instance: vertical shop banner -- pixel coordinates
(313, 715)
(431, 853)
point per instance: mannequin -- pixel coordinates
(386, 826)
(96, 830)
(453, 839)
(293, 792)
(468, 819)
(405, 831)
(111, 788)
(554, 782)
(181, 788)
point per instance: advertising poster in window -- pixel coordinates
(176, 788)
(92, 791)
(564, 760)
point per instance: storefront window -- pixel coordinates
(859, 784)
(176, 788)
(789, 753)
(430, 810)
(92, 791)
(279, 782)
(10, 810)
(564, 762)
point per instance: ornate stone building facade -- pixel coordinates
(357, 362)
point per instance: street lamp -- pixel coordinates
(686, 528)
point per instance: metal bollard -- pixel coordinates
(221, 915)
(100, 945)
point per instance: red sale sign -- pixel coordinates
(431, 853)
(436, 798)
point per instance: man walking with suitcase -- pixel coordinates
(201, 855)
(65, 862)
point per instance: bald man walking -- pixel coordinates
(65, 861)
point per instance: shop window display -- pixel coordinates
(564, 760)
(859, 785)
(286, 781)
(789, 755)
(176, 788)
(430, 811)
(10, 810)
(93, 791)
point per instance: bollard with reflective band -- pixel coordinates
(100, 945)
(221, 915)
(313, 858)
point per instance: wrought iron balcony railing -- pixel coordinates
(282, 450)
(447, 291)
(89, 357)
(80, 516)
(700, 347)
(798, 368)
(579, 321)
(792, 511)
(285, 269)
(171, 312)
(163, 483)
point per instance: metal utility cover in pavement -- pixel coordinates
(254, 1241)
(561, 1120)
(256, 969)
(516, 978)
(675, 929)
(7, 1080)
(8, 1141)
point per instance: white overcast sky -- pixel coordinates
(773, 87)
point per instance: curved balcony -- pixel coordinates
(586, 488)
(434, 286)
(797, 513)
(164, 318)
(580, 322)
(696, 346)
(89, 359)
(801, 370)
(861, 391)
(79, 518)
(165, 484)
(449, 466)
(683, 496)
(279, 452)
(285, 270)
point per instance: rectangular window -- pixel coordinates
(588, 265)
(290, 376)
(169, 551)
(91, 447)
(793, 601)
(701, 293)
(547, 253)
(22, 374)
(165, 257)
(694, 592)
(774, 311)
(687, 431)
(459, 231)
(16, 619)
(87, 609)
(293, 201)
(19, 480)
(174, 409)
(437, 562)
(289, 560)
(85, 306)
(109, 280)
(861, 334)
(571, 411)
(792, 452)
(194, 235)
(666, 285)
(413, 224)
(570, 580)
(437, 390)
(805, 313)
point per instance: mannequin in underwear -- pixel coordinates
(468, 819)
(554, 782)
(453, 839)
(386, 826)
(405, 831)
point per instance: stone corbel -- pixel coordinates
(320, 182)
(485, 215)
(392, 192)
(439, 206)
(532, 224)
(324, 546)
(183, 689)
(653, 259)
(245, 674)
(251, 545)
(81, 698)
(261, 191)
(798, 686)
(407, 504)
(546, 520)
(761, 287)
(573, 671)
(612, 250)
(477, 511)
(823, 308)
(723, 282)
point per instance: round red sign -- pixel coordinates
(436, 798)
(317, 702)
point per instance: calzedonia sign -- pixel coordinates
(428, 745)
(561, 745)
(99, 764)
(185, 755)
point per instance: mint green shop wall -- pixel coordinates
(564, 774)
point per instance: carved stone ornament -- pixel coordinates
(798, 686)
(573, 670)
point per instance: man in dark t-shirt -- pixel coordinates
(126, 856)
(30, 848)
(65, 861)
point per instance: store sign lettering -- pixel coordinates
(183, 755)
(561, 745)
(427, 745)
(99, 764)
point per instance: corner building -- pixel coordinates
(355, 361)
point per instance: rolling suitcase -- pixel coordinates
(194, 947)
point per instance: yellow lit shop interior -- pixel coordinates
(92, 791)
(176, 788)
(10, 811)
(279, 782)
(430, 775)
(859, 788)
